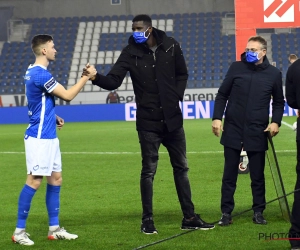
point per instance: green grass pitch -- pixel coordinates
(100, 199)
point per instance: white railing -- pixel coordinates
(227, 21)
(11, 28)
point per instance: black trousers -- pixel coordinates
(295, 218)
(230, 174)
(176, 145)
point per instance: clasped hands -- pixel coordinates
(89, 71)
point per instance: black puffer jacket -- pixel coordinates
(159, 81)
(292, 85)
(249, 89)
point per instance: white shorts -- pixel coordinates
(42, 156)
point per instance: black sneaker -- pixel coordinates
(148, 227)
(196, 223)
(225, 220)
(259, 219)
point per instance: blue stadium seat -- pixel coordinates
(208, 84)
(199, 78)
(98, 18)
(185, 22)
(190, 85)
(43, 20)
(130, 17)
(83, 19)
(106, 18)
(20, 90)
(64, 82)
(208, 76)
(217, 84)
(11, 90)
(216, 14)
(194, 15)
(216, 77)
(122, 17)
(177, 23)
(107, 68)
(177, 16)
(110, 46)
(162, 16)
(2, 90)
(114, 18)
(199, 84)
(201, 15)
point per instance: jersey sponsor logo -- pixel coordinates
(26, 77)
(48, 85)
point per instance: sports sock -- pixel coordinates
(52, 203)
(24, 204)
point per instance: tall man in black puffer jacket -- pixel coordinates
(247, 90)
(292, 92)
(159, 77)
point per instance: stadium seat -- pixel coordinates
(100, 40)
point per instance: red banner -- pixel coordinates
(257, 14)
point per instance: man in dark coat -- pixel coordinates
(247, 90)
(159, 76)
(113, 97)
(292, 92)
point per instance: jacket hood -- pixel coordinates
(260, 66)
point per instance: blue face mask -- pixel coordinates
(252, 57)
(140, 37)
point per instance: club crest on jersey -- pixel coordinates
(35, 168)
(48, 85)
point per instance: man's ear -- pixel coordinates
(44, 51)
(150, 30)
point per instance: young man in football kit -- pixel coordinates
(43, 157)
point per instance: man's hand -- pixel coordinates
(59, 122)
(273, 128)
(89, 71)
(217, 127)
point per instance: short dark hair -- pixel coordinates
(145, 18)
(259, 39)
(293, 57)
(39, 40)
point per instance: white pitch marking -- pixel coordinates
(131, 153)
(287, 124)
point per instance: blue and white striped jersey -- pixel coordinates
(39, 83)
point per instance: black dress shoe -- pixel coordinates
(259, 219)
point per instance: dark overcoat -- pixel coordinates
(247, 89)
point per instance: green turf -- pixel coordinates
(100, 198)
